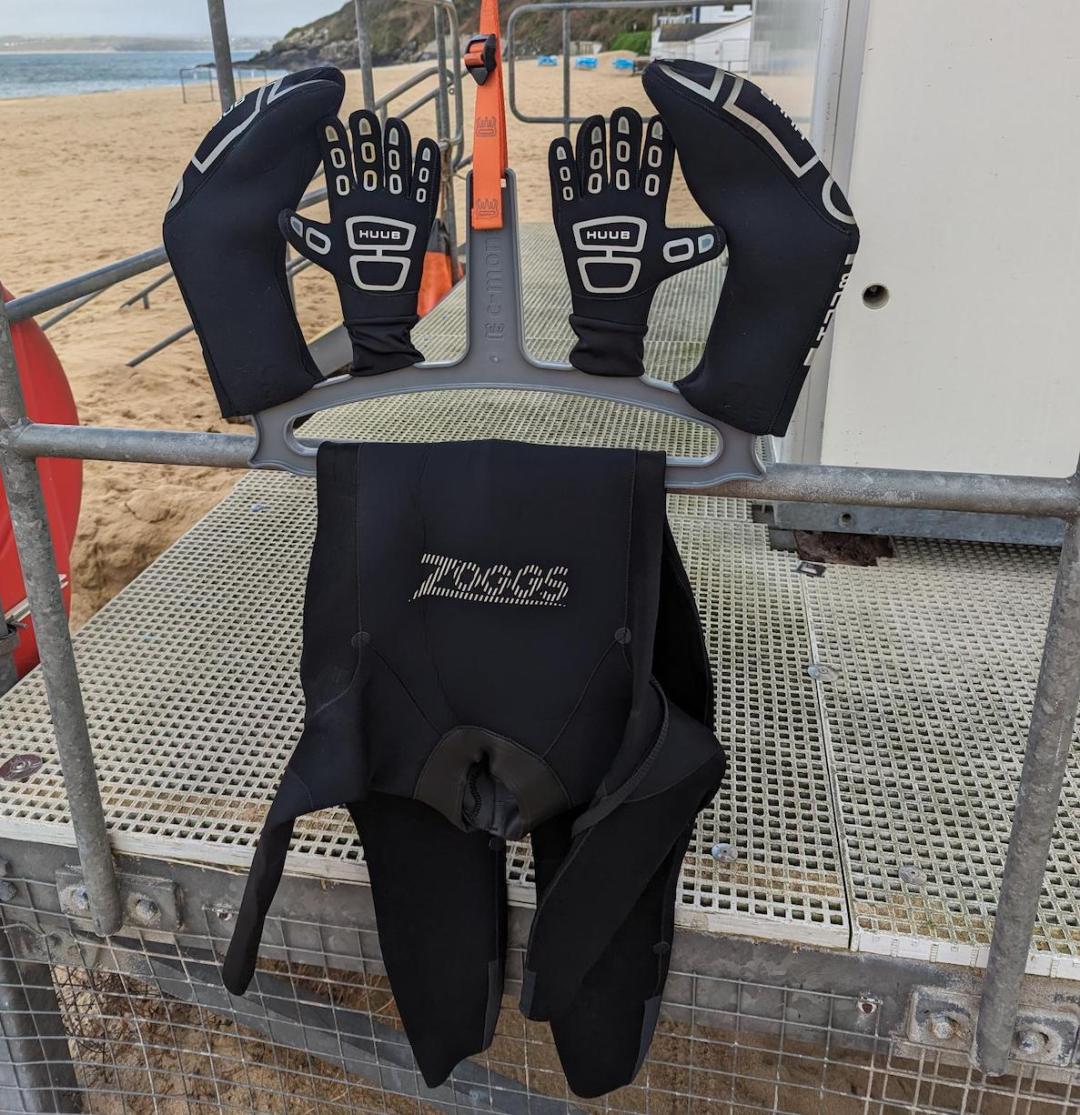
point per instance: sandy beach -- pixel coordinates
(84, 181)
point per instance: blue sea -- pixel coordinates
(48, 75)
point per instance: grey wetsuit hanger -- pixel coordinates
(495, 358)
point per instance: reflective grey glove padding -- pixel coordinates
(608, 201)
(221, 235)
(382, 207)
(791, 240)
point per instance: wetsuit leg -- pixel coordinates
(440, 902)
(603, 1036)
(603, 929)
(791, 240)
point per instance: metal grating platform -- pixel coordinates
(933, 658)
(884, 791)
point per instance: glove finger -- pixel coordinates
(657, 162)
(367, 149)
(687, 247)
(426, 172)
(592, 155)
(335, 154)
(563, 172)
(310, 238)
(397, 154)
(625, 147)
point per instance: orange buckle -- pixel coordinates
(481, 55)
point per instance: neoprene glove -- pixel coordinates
(382, 207)
(792, 240)
(221, 233)
(608, 201)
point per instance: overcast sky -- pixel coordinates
(154, 17)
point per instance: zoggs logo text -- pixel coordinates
(494, 584)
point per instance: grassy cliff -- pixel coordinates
(400, 30)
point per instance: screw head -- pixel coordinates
(21, 767)
(911, 875)
(1031, 1042)
(7, 890)
(147, 911)
(942, 1027)
(724, 853)
(819, 671)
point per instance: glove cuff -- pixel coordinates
(608, 348)
(382, 345)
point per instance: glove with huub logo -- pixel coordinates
(608, 200)
(382, 206)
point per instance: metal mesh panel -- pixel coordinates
(151, 1030)
(932, 659)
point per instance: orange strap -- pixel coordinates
(483, 59)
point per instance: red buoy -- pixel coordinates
(48, 399)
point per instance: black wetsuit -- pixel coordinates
(500, 639)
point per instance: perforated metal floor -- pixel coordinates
(884, 791)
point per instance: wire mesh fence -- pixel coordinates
(141, 1024)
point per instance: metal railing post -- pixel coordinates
(566, 72)
(566, 7)
(363, 49)
(219, 35)
(1045, 759)
(30, 527)
(442, 130)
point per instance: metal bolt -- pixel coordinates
(911, 875)
(1031, 1042)
(146, 911)
(723, 852)
(20, 767)
(942, 1026)
(7, 890)
(80, 900)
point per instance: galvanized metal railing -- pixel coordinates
(207, 76)
(22, 441)
(567, 8)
